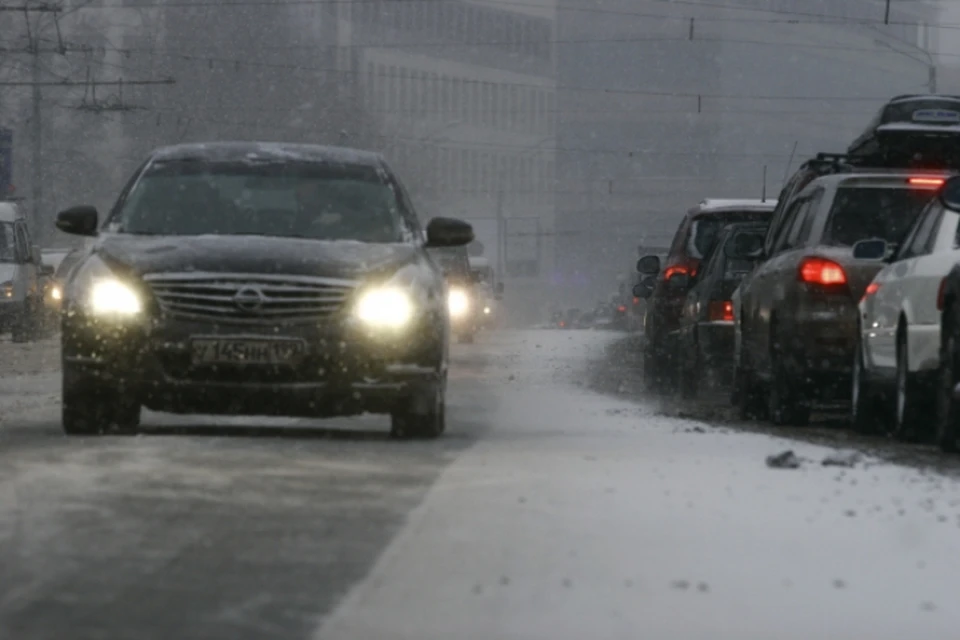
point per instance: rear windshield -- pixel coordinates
(861, 213)
(706, 229)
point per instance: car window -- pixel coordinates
(291, 199)
(707, 228)
(794, 213)
(861, 213)
(735, 268)
(679, 238)
(919, 240)
(809, 217)
(8, 243)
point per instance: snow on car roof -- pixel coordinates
(266, 151)
(716, 204)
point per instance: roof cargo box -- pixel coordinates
(910, 132)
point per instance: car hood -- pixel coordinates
(251, 254)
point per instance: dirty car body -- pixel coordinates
(798, 311)
(257, 279)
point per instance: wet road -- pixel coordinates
(561, 504)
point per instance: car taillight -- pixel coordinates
(940, 291)
(636, 300)
(871, 289)
(621, 308)
(720, 310)
(677, 269)
(821, 271)
(926, 182)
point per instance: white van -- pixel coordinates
(21, 295)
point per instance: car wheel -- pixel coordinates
(910, 405)
(88, 408)
(863, 407)
(788, 407)
(948, 408)
(420, 417)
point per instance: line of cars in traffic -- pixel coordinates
(845, 289)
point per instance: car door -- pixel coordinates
(772, 280)
(891, 288)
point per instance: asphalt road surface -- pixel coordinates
(561, 504)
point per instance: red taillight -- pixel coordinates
(821, 271)
(677, 269)
(926, 182)
(636, 301)
(720, 310)
(871, 289)
(562, 324)
(621, 308)
(940, 291)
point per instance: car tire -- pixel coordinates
(948, 407)
(410, 422)
(88, 408)
(910, 398)
(863, 404)
(787, 406)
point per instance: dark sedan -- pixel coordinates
(257, 279)
(705, 339)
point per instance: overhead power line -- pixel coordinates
(85, 83)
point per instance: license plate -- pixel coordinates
(242, 351)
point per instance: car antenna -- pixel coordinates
(786, 170)
(763, 192)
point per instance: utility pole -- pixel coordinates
(501, 238)
(36, 144)
(933, 76)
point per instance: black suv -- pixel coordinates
(257, 279)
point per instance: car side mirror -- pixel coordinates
(644, 289)
(874, 249)
(81, 220)
(448, 232)
(648, 265)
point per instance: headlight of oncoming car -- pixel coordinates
(100, 292)
(6, 289)
(385, 307)
(458, 301)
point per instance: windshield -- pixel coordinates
(304, 200)
(8, 251)
(860, 213)
(706, 229)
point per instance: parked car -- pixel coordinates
(898, 356)
(665, 285)
(220, 284)
(705, 337)
(21, 276)
(797, 313)
(463, 295)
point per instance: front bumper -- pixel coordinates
(343, 370)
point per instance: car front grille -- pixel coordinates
(248, 298)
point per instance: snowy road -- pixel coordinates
(549, 511)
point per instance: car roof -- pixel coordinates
(265, 151)
(9, 212)
(719, 205)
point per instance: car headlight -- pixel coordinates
(388, 307)
(458, 301)
(486, 310)
(112, 297)
(100, 292)
(7, 289)
(56, 293)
